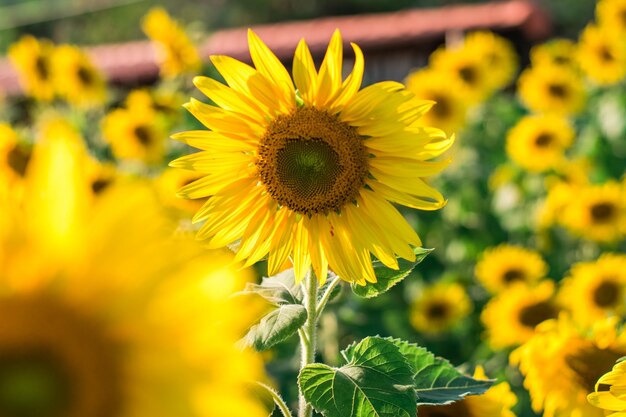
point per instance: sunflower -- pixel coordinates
(466, 67)
(137, 134)
(439, 307)
(595, 289)
(170, 181)
(161, 101)
(602, 55)
(511, 317)
(496, 402)
(76, 78)
(611, 14)
(609, 391)
(504, 265)
(498, 53)
(175, 52)
(561, 364)
(14, 154)
(558, 52)
(537, 143)
(451, 105)
(89, 330)
(33, 60)
(597, 213)
(552, 89)
(310, 174)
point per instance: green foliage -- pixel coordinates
(285, 318)
(388, 277)
(384, 377)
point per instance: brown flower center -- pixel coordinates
(468, 74)
(143, 135)
(42, 67)
(602, 212)
(438, 310)
(55, 362)
(544, 140)
(311, 162)
(442, 109)
(607, 294)
(590, 363)
(513, 275)
(85, 76)
(533, 314)
(18, 158)
(558, 90)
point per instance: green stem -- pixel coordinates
(324, 300)
(308, 337)
(277, 399)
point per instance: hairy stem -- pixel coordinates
(278, 400)
(308, 336)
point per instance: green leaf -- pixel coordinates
(375, 382)
(278, 289)
(388, 277)
(278, 325)
(436, 380)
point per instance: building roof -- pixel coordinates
(134, 62)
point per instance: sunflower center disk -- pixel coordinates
(590, 363)
(607, 294)
(311, 162)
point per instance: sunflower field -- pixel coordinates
(267, 238)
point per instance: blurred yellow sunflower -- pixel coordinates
(33, 60)
(498, 401)
(561, 364)
(552, 89)
(610, 390)
(450, 109)
(537, 143)
(611, 15)
(170, 181)
(594, 290)
(467, 67)
(88, 328)
(498, 53)
(602, 55)
(137, 134)
(76, 78)
(510, 318)
(175, 51)
(440, 307)
(14, 154)
(559, 52)
(310, 175)
(502, 266)
(165, 102)
(100, 175)
(597, 213)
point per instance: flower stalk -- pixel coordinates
(308, 334)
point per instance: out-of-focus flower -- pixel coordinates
(135, 135)
(559, 52)
(168, 103)
(451, 104)
(537, 143)
(505, 265)
(610, 390)
(498, 54)
(561, 364)
(293, 174)
(14, 154)
(594, 290)
(92, 319)
(172, 180)
(498, 401)
(440, 307)
(76, 78)
(611, 15)
(597, 213)
(552, 89)
(175, 52)
(511, 317)
(467, 67)
(602, 55)
(33, 60)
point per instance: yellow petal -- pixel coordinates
(304, 74)
(329, 78)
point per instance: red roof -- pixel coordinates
(135, 61)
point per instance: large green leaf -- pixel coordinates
(436, 380)
(273, 328)
(375, 382)
(387, 277)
